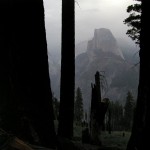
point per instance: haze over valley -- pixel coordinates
(116, 58)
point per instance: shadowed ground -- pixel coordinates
(114, 141)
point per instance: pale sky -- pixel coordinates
(89, 14)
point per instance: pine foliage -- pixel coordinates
(128, 111)
(134, 21)
(78, 114)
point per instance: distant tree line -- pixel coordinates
(119, 117)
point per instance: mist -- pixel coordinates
(89, 15)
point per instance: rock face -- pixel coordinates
(104, 40)
(103, 54)
(81, 48)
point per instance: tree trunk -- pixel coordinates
(25, 76)
(95, 125)
(141, 125)
(98, 111)
(65, 128)
(109, 121)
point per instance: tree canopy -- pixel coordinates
(134, 21)
(78, 106)
(128, 111)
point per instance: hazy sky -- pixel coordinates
(89, 14)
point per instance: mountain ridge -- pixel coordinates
(106, 56)
(119, 71)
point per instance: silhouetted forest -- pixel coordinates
(28, 110)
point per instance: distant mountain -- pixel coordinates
(115, 57)
(104, 41)
(81, 48)
(130, 50)
(104, 54)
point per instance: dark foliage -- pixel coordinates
(78, 107)
(141, 125)
(114, 117)
(129, 111)
(86, 136)
(134, 21)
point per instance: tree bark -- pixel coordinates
(24, 71)
(141, 125)
(65, 128)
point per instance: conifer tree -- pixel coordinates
(141, 124)
(134, 21)
(129, 109)
(78, 114)
(114, 116)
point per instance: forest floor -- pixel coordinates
(113, 141)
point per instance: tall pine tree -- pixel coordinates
(128, 111)
(78, 108)
(134, 21)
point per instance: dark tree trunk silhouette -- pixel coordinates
(98, 86)
(24, 79)
(141, 126)
(94, 117)
(109, 121)
(98, 110)
(65, 128)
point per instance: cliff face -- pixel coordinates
(105, 41)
